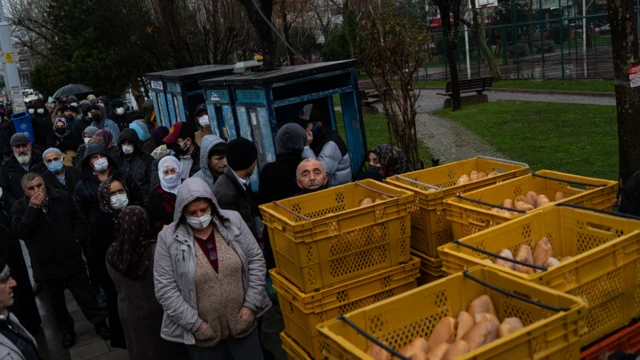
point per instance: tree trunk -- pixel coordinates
(263, 30)
(482, 44)
(451, 40)
(624, 38)
(345, 27)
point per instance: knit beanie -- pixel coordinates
(160, 133)
(241, 153)
(91, 130)
(116, 103)
(51, 150)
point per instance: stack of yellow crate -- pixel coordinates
(335, 254)
(430, 227)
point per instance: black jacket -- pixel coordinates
(122, 121)
(136, 165)
(86, 192)
(42, 127)
(11, 173)
(68, 142)
(231, 195)
(278, 179)
(72, 177)
(51, 237)
(7, 129)
(630, 196)
(79, 128)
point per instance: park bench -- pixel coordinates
(368, 92)
(477, 85)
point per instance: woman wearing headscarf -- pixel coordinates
(130, 265)
(162, 200)
(62, 137)
(112, 199)
(87, 134)
(209, 276)
(384, 161)
(109, 141)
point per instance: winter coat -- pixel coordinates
(51, 237)
(8, 350)
(161, 206)
(208, 142)
(231, 195)
(630, 196)
(332, 152)
(107, 124)
(11, 174)
(42, 127)
(123, 120)
(72, 177)
(7, 129)
(195, 168)
(79, 128)
(86, 192)
(68, 142)
(136, 165)
(175, 262)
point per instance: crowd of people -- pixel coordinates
(155, 231)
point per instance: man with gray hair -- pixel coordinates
(51, 224)
(25, 159)
(59, 176)
(311, 176)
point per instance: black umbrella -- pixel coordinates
(72, 89)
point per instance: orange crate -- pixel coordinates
(429, 225)
(430, 268)
(471, 212)
(293, 350)
(627, 340)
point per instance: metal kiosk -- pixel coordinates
(176, 93)
(264, 100)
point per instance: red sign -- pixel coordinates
(634, 76)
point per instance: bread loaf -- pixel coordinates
(559, 196)
(543, 252)
(542, 201)
(508, 203)
(455, 350)
(482, 304)
(465, 323)
(473, 176)
(417, 349)
(552, 262)
(523, 254)
(378, 353)
(487, 317)
(445, 331)
(533, 197)
(509, 325)
(437, 353)
(480, 334)
(366, 201)
(506, 253)
(521, 198)
(481, 175)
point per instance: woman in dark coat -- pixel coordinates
(102, 233)
(62, 138)
(162, 200)
(130, 265)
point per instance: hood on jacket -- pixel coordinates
(141, 129)
(191, 189)
(132, 136)
(291, 138)
(207, 143)
(95, 149)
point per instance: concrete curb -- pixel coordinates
(542, 92)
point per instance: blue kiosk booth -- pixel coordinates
(256, 103)
(176, 93)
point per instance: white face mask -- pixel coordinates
(119, 202)
(40, 111)
(74, 104)
(86, 140)
(101, 165)
(127, 149)
(204, 121)
(171, 181)
(199, 223)
(31, 111)
(120, 110)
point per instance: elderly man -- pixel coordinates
(51, 224)
(311, 176)
(59, 176)
(25, 159)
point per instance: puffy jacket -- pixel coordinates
(136, 165)
(331, 151)
(86, 192)
(208, 142)
(8, 350)
(174, 266)
(7, 129)
(51, 237)
(11, 173)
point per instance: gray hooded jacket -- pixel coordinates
(174, 266)
(208, 142)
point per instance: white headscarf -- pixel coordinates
(169, 185)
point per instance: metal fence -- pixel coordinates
(546, 39)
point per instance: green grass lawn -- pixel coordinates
(375, 127)
(558, 85)
(571, 138)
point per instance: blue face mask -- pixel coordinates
(55, 167)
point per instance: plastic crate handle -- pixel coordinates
(606, 212)
(567, 181)
(504, 161)
(490, 204)
(458, 242)
(514, 295)
(372, 339)
(376, 190)
(418, 182)
(291, 211)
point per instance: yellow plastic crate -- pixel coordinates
(429, 225)
(468, 216)
(325, 238)
(548, 334)
(430, 268)
(604, 270)
(293, 350)
(301, 315)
